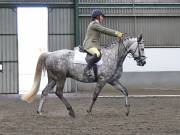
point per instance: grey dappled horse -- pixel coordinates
(59, 66)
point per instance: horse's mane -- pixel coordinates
(110, 45)
(114, 43)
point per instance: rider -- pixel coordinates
(91, 43)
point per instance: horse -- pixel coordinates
(59, 66)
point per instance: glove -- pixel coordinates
(119, 34)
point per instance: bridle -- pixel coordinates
(140, 59)
(121, 43)
(132, 53)
(137, 48)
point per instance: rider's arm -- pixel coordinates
(107, 31)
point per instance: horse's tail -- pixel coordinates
(28, 97)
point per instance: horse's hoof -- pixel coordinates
(128, 110)
(39, 113)
(88, 111)
(72, 114)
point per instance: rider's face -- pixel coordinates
(101, 18)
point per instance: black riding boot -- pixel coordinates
(91, 60)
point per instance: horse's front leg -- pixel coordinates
(97, 91)
(117, 85)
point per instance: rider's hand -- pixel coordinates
(119, 34)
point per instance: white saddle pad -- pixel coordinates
(79, 57)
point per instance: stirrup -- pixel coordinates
(87, 73)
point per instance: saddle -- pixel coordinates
(81, 49)
(82, 54)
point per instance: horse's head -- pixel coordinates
(137, 50)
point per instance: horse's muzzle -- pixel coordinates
(141, 61)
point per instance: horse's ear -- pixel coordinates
(139, 37)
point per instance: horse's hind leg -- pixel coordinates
(117, 85)
(59, 93)
(45, 92)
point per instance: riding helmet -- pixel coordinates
(96, 12)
